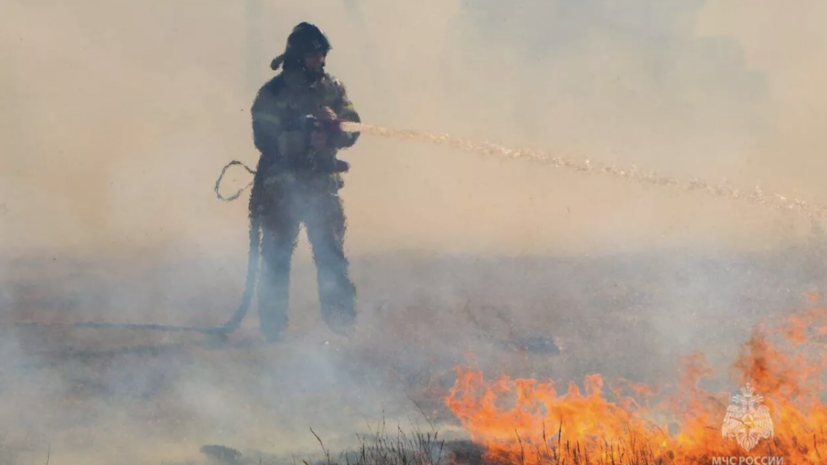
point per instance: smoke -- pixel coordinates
(118, 133)
(118, 117)
(786, 43)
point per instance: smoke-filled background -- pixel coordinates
(117, 118)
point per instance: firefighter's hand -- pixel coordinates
(326, 114)
(318, 140)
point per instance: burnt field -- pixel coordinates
(86, 395)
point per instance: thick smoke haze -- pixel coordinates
(118, 118)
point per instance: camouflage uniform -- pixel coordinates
(291, 188)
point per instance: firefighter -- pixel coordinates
(295, 119)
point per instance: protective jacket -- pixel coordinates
(279, 128)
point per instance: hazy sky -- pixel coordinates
(117, 118)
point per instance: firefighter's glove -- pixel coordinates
(325, 114)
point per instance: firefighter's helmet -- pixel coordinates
(305, 38)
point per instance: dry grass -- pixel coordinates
(383, 448)
(421, 448)
(426, 449)
(566, 453)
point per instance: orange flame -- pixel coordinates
(525, 421)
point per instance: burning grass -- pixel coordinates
(779, 416)
(526, 421)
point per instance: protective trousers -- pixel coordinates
(289, 203)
